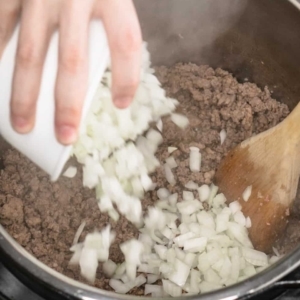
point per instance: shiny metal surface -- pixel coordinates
(254, 39)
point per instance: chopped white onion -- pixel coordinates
(163, 193)
(180, 274)
(191, 185)
(247, 193)
(109, 268)
(171, 289)
(223, 135)
(173, 199)
(195, 245)
(204, 192)
(254, 257)
(180, 120)
(159, 125)
(248, 222)
(169, 175)
(153, 289)
(172, 149)
(70, 172)
(171, 162)
(195, 159)
(78, 233)
(187, 196)
(235, 206)
(88, 263)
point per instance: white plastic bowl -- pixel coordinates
(40, 145)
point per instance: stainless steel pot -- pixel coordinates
(254, 39)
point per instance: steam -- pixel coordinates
(185, 27)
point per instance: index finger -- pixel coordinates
(125, 41)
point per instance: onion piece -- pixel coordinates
(223, 135)
(239, 218)
(132, 251)
(171, 289)
(181, 273)
(169, 175)
(171, 162)
(187, 196)
(205, 218)
(235, 206)
(109, 268)
(195, 159)
(118, 286)
(152, 288)
(191, 260)
(70, 172)
(172, 149)
(78, 233)
(247, 193)
(212, 277)
(195, 245)
(248, 222)
(159, 125)
(88, 264)
(191, 185)
(151, 278)
(145, 268)
(189, 207)
(204, 192)
(180, 120)
(154, 137)
(173, 199)
(180, 239)
(163, 193)
(77, 248)
(254, 257)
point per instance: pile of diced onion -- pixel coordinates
(188, 247)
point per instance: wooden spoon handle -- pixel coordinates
(291, 126)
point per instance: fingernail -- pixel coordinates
(122, 102)
(67, 134)
(21, 124)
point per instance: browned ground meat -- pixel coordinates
(43, 216)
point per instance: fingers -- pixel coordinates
(125, 41)
(72, 74)
(32, 45)
(9, 12)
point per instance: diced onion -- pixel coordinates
(78, 233)
(171, 162)
(109, 268)
(191, 185)
(172, 149)
(204, 192)
(171, 289)
(159, 125)
(180, 120)
(151, 278)
(70, 172)
(247, 193)
(223, 135)
(169, 175)
(195, 159)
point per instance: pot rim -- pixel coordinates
(63, 285)
(16, 256)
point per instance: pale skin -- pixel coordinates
(38, 20)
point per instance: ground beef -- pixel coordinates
(44, 216)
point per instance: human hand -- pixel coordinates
(39, 19)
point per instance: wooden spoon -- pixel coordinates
(270, 163)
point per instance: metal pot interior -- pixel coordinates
(254, 39)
